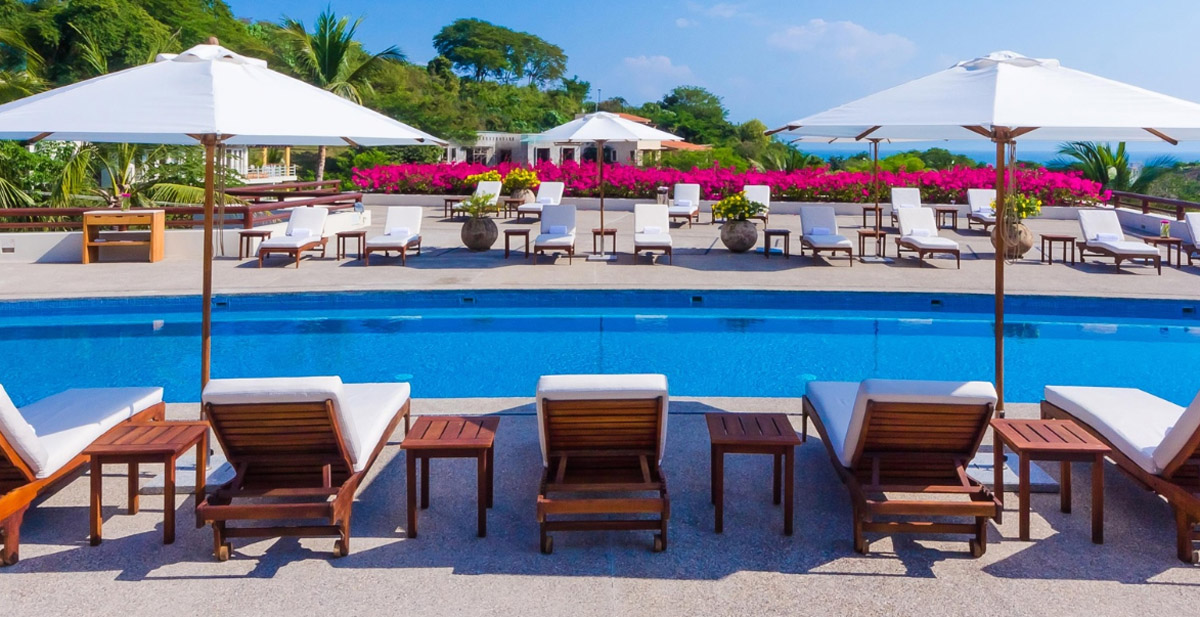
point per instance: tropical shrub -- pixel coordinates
(490, 175)
(520, 178)
(737, 208)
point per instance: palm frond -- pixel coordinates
(11, 195)
(12, 38)
(76, 178)
(89, 50)
(176, 193)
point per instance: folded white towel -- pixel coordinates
(558, 229)
(651, 230)
(820, 231)
(545, 201)
(1102, 237)
(683, 203)
(921, 233)
(400, 232)
(300, 232)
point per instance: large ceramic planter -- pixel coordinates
(739, 236)
(1017, 241)
(525, 195)
(479, 234)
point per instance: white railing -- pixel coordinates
(273, 173)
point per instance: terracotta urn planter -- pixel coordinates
(739, 236)
(525, 195)
(479, 234)
(1018, 240)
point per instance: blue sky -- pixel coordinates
(783, 59)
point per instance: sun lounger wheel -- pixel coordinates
(660, 543)
(547, 545)
(340, 549)
(222, 553)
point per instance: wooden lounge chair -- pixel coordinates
(305, 232)
(651, 230)
(819, 232)
(983, 213)
(904, 197)
(42, 444)
(602, 439)
(300, 447)
(548, 194)
(686, 204)
(910, 438)
(760, 193)
(919, 234)
(1192, 245)
(491, 188)
(557, 232)
(401, 232)
(1154, 441)
(1103, 236)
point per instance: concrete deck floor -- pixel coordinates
(751, 569)
(701, 262)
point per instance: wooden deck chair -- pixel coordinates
(305, 232)
(1102, 235)
(602, 440)
(760, 193)
(491, 188)
(401, 232)
(1154, 441)
(651, 230)
(548, 194)
(983, 212)
(300, 447)
(919, 234)
(902, 198)
(686, 203)
(1192, 245)
(902, 448)
(42, 444)
(556, 232)
(819, 232)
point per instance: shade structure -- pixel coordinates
(206, 95)
(1004, 97)
(599, 128)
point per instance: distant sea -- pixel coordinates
(1043, 153)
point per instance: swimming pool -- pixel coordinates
(497, 343)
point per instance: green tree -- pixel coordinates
(1111, 168)
(330, 58)
(21, 72)
(481, 49)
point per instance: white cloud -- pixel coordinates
(652, 76)
(684, 22)
(845, 41)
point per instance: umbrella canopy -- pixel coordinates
(207, 95)
(1003, 97)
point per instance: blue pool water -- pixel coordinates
(497, 343)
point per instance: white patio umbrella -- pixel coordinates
(207, 95)
(599, 128)
(1005, 97)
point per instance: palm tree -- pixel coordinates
(790, 159)
(26, 80)
(122, 175)
(330, 58)
(1099, 163)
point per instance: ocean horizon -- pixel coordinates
(1139, 153)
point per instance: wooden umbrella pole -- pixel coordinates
(875, 182)
(210, 146)
(600, 155)
(1001, 139)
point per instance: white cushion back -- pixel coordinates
(690, 192)
(558, 216)
(553, 191)
(905, 197)
(311, 218)
(981, 199)
(20, 435)
(1178, 435)
(1094, 222)
(911, 391)
(812, 217)
(759, 193)
(1193, 224)
(489, 187)
(651, 215)
(404, 217)
(916, 218)
(600, 387)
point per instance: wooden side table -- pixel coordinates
(510, 233)
(450, 437)
(246, 240)
(344, 236)
(941, 212)
(449, 203)
(753, 433)
(880, 237)
(147, 442)
(875, 209)
(94, 221)
(607, 231)
(1048, 242)
(786, 234)
(1050, 440)
(1170, 243)
(509, 205)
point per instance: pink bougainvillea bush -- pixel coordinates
(811, 184)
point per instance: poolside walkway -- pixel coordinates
(701, 262)
(751, 569)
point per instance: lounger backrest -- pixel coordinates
(912, 219)
(558, 216)
(404, 217)
(1193, 224)
(311, 218)
(651, 215)
(759, 193)
(602, 412)
(550, 193)
(687, 192)
(1182, 440)
(1095, 222)
(945, 419)
(903, 197)
(489, 187)
(20, 443)
(818, 217)
(284, 422)
(981, 200)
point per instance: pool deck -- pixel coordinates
(701, 262)
(750, 569)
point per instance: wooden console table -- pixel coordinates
(96, 220)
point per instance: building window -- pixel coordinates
(506, 156)
(568, 154)
(542, 154)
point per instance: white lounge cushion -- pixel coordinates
(550, 193)
(930, 242)
(1105, 237)
(558, 230)
(544, 201)
(1126, 247)
(1149, 430)
(984, 216)
(555, 240)
(403, 232)
(905, 197)
(981, 200)
(600, 387)
(558, 216)
(828, 242)
(300, 232)
(1193, 224)
(1094, 223)
(820, 231)
(683, 203)
(922, 233)
(535, 208)
(834, 403)
(68, 422)
(289, 242)
(20, 434)
(758, 193)
(649, 239)
(678, 210)
(370, 407)
(392, 240)
(311, 218)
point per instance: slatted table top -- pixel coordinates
(1046, 436)
(451, 432)
(725, 429)
(148, 438)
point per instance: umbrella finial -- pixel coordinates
(212, 40)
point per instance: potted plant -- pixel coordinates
(738, 233)
(1018, 240)
(520, 183)
(479, 233)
